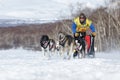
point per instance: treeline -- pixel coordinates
(107, 24)
(28, 35)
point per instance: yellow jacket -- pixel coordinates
(82, 27)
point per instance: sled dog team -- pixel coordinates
(67, 46)
(79, 44)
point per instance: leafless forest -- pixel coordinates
(105, 19)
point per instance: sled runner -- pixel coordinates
(91, 52)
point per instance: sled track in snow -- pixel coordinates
(19, 64)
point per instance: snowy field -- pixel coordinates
(19, 64)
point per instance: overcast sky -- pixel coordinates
(41, 9)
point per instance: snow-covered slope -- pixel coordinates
(16, 22)
(19, 64)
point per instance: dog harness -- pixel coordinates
(62, 42)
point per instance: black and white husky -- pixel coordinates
(47, 45)
(80, 48)
(66, 45)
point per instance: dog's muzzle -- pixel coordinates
(45, 43)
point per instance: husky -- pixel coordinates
(66, 43)
(80, 49)
(48, 45)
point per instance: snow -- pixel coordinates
(20, 64)
(16, 22)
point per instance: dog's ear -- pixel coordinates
(61, 35)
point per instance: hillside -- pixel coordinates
(27, 35)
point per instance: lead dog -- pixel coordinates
(47, 44)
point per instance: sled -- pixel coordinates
(91, 52)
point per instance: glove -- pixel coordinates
(76, 34)
(94, 34)
(88, 32)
